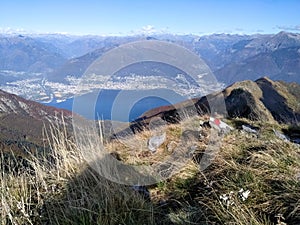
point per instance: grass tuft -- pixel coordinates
(59, 187)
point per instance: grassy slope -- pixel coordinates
(67, 191)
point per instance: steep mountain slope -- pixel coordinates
(22, 122)
(20, 53)
(277, 57)
(220, 49)
(263, 99)
(77, 66)
(92, 48)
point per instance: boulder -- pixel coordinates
(155, 141)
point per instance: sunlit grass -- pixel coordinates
(61, 188)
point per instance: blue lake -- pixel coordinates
(117, 105)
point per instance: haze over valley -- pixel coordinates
(42, 67)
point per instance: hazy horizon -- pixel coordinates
(12, 32)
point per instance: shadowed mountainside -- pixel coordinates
(22, 122)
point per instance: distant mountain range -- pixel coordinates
(231, 57)
(26, 54)
(48, 68)
(276, 56)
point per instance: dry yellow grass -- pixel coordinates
(61, 188)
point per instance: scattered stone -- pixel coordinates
(219, 125)
(281, 135)
(155, 141)
(249, 129)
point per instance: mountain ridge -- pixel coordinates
(51, 65)
(262, 99)
(21, 53)
(231, 57)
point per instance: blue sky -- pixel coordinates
(125, 17)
